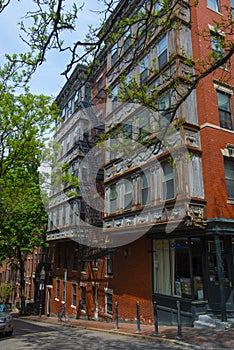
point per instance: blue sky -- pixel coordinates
(47, 79)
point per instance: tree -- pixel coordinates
(25, 120)
(6, 290)
(42, 30)
(23, 218)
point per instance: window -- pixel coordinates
(113, 149)
(168, 181)
(109, 303)
(99, 88)
(158, 5)
(178, 266)
(114, 97)
(144, 125)
(128, 194)
(229, 175)
(217, 45)
(145, 191)
(57, 289)
(162, 52)
(75, 258)
(232, 7)
(144, 69)
(224, 107)
(214, 5)
(127, 38)
(114, 54)
(74, 294)
(83, 298)
(164, 103)
(109, 264)
(69, 108)
(113, 199)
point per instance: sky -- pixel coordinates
(47, 79)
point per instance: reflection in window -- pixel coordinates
(162, 52)
(168, 181)
(145, 188)
(213, 4)
(229, 175)
(224, 107)
(128, 194)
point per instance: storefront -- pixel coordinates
(196, 270)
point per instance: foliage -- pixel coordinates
(6, 290)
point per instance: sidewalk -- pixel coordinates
(196, 338)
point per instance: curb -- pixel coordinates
(152, 337)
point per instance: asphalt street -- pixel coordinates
(35, 335)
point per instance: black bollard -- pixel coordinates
(179, 320)
(155, 318)
(138, 317)
(116, 315)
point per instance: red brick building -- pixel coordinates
(169, 229)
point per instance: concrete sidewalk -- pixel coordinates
(196, 338)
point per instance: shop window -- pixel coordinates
(214, 5)
(224, 108)
(172, 268)
(212, 262)
(162, 52)
(145, 191)
(168, 181)
(127, 194)
(74, 289)
(109, 302)
(229, 175)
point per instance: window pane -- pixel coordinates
(213, 4)
(145, 189)
(128, 195)
(162, 51)
(224, 107)
(223, 101)
(168, 181)
(229, 174)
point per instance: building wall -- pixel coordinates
(214, 139)
(132, 280)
